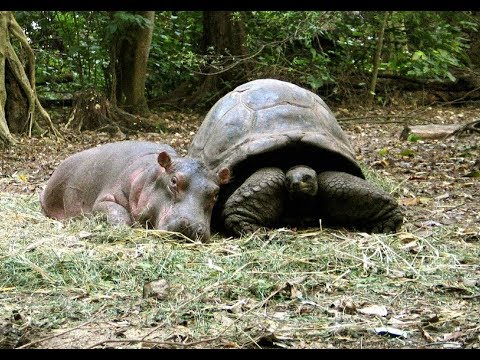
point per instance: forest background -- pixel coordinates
(405, 88)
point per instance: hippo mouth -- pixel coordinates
(193, 230)
(175, 219)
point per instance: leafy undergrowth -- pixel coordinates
(82, 283)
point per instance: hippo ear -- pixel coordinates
(223, 176)
(165, 161)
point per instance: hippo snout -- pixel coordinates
(193, 230)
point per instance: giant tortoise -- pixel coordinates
(291, 164)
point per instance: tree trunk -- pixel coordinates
(5, 136)
(16, 106)
(131, 53)
(19, 104)
(91, 110)
(377, 58)
(224, 34)
(473, 51)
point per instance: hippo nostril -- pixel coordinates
(201, 230)
(184, 224)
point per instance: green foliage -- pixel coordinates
(175, 52)
(413, 137)
(407, 152)
(121, 22)
(75, 42)
(435, 43)
(312, 48)
(383, 152)
(419, 44)
(67, 42)
(289, 44)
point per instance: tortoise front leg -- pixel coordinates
(347, 200)
(256, 203)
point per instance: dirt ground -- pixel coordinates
(437, 181)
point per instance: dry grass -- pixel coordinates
(79, 284)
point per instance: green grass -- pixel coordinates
(378, 179)
(277, 289)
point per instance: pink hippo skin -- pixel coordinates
(136, 182)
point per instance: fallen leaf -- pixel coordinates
(443, 196)
(406, 237)
(281, 315)
(471, 282)
(211, 265)
(274, 340)
(431, 223)
(298, 280)
(235, 308)
(295, 293)
(424, 200)
(378, 310)
(432, 318)
(157, 289)
(345, 305)
(388, 330)
(181, 333)
(229, 344)
(452, 336)
(409, 201)
(223, 319)
(426, 335)
(381, 163)
(452, 345)
(412, 247)
(84, 234)
(396, 322)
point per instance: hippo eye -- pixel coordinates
(173, 182)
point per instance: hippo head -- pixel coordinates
(183, 196)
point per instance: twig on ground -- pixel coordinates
(153, 342)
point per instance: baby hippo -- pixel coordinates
(136, 182)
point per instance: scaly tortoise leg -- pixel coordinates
(257, 203)
(347, 200)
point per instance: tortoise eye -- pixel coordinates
(306, 177)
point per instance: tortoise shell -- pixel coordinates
(269, 122)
